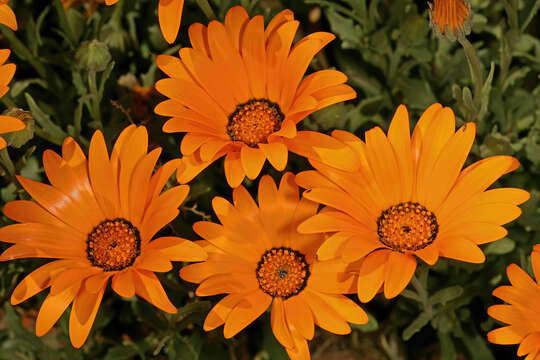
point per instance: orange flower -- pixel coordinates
(259, 260)
(409, 198)
(522, 314)
(7, 16)
(170, 15)
(7, 123)
(238, 92)
(450, 17)
(98, 218)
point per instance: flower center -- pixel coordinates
(253, 121)
(282, 272)
(113, 245)
(407, 226)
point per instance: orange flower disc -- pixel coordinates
(407, 227)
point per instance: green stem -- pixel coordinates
(95, 97)
(207, 9)
(116, 17)
(7, 164)
(475, 66)
(422, 293)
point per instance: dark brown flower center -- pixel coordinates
(282, 272)
(253, 121)
(113, 245)
(407, 226)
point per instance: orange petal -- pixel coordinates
(178, 249)
(325, 316)
(276, 153)
(461, 249)
(234, 171)
(38, 280)
(399, 136)
(245, 312)
(430, 254)
(280, 327)
(122, 283)
(345, 307)
(7, 17)
(28, 211)
(252, 161)
(197, 273)
(371, 275)
(170, 15)
(53, 307)
(148, 287)
(504, 336)
(153, 261)
(298, 313)
(83, 312)
(531, 343)
(254, 56)
(10, 123)
(219, 313)
(101, 172)
(399, 271)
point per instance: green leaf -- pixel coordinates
(445, 295)
(500, 247)
(49, 130)
(372, 325)
(417, 325)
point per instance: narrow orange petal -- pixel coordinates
(170, 15)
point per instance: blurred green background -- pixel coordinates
(391, 56)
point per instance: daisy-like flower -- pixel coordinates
(97, 218)
(7, 16)
(450, 18)
(409, 198)
(258, 259)
(238, 92)
(521, 313)
(7, 123)
(170, 16)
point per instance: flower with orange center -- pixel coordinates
(258, 259)
(522, 313)
(7, 123)
(450, 18)
(97, 218)
(7, 16)
(409, 198)
(238, 92)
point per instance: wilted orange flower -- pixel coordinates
(7, 16)
(98, 218)
(450, 17)
(7, 123)
(409, 198)
(522, 313)
(238, 92)
(170, 15)
(259, 259)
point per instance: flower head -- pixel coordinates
(98, 218)
(450, 18)
(521, 313)
(7, 16)
(7, 123)
(409, 198)
(238, 92)
(258, 259)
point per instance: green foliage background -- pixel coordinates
(391, 57)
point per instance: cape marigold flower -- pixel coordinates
(450, 18)
(409, 198)
(7, 123)
(7, 16)
(522, 313)
(170, 16)
(259, 259)
(238, 92)
(98, 218)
